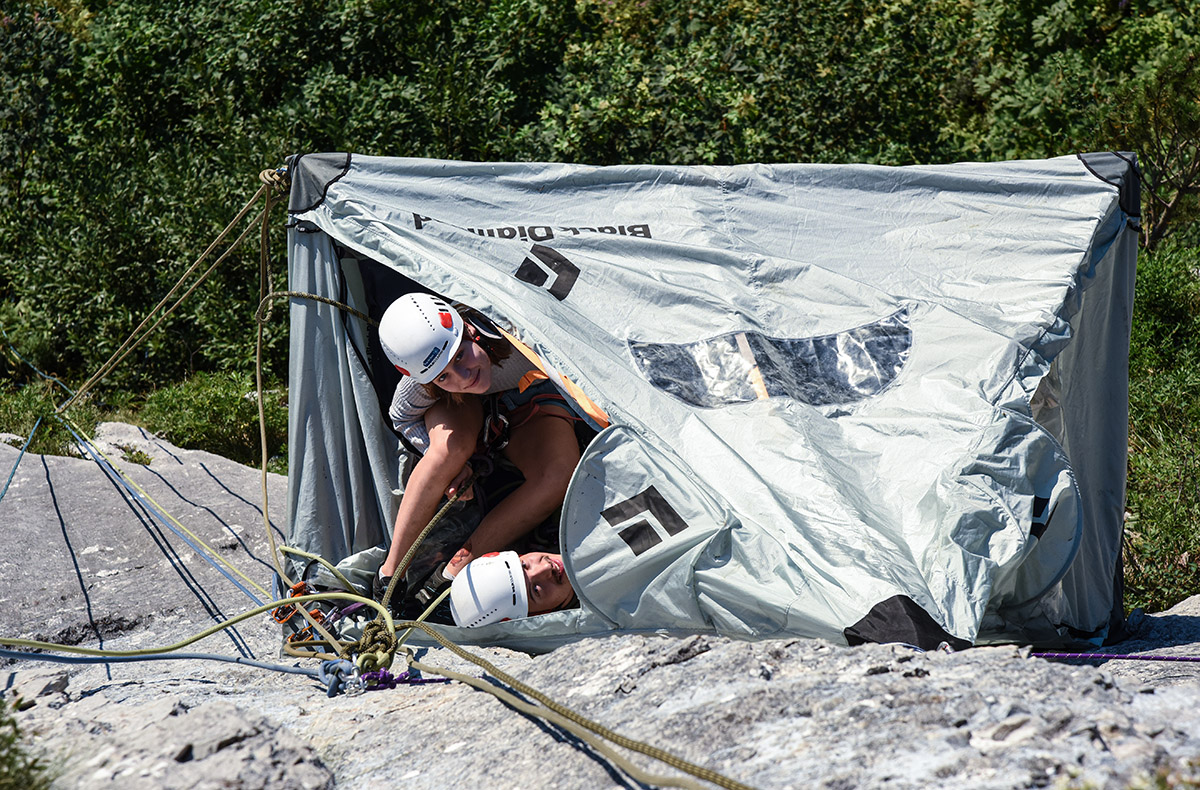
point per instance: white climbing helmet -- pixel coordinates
(420, 335)
(490, 589)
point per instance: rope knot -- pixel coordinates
(278, 179)
(375, 647)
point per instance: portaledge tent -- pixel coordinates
(844, 401)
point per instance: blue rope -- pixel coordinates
(13, 348)
(57, 659)
(30, 364)
(335, 674)
(20, 455)
(95, 456)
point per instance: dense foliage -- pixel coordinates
(136, 126)
(133, 129)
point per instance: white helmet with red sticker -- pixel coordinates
(420, 334)
(489, 590)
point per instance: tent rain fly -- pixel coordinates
(848, 402)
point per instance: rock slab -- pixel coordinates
(772, 714)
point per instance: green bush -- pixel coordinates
(218, 412)
(712, 81)
(18, 769)
(132, 129)
(1162, 536)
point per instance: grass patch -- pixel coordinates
(218, 412)
(133, 455)
(19, 770)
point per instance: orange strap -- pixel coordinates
(531, 378)
(589, 407)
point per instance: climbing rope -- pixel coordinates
(141, 333)
(30, 365)
(272, 180)
(20, 455)
(268, 300)
(433, 522)
(279, 181)
(267, 177)
(206, 552)
(215, 628)
(432, 605)
(329, 566)
(37, 423)
(520, 705)
(301, 647)
(249, 662)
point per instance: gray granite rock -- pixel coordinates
(88, 562)
(774, 714)
(167, 743)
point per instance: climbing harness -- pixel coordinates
(499, 422)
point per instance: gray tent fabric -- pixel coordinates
(846, 401)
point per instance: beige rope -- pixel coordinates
(263, 313)
(271, 178)
(134, 340)
(515, 702)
